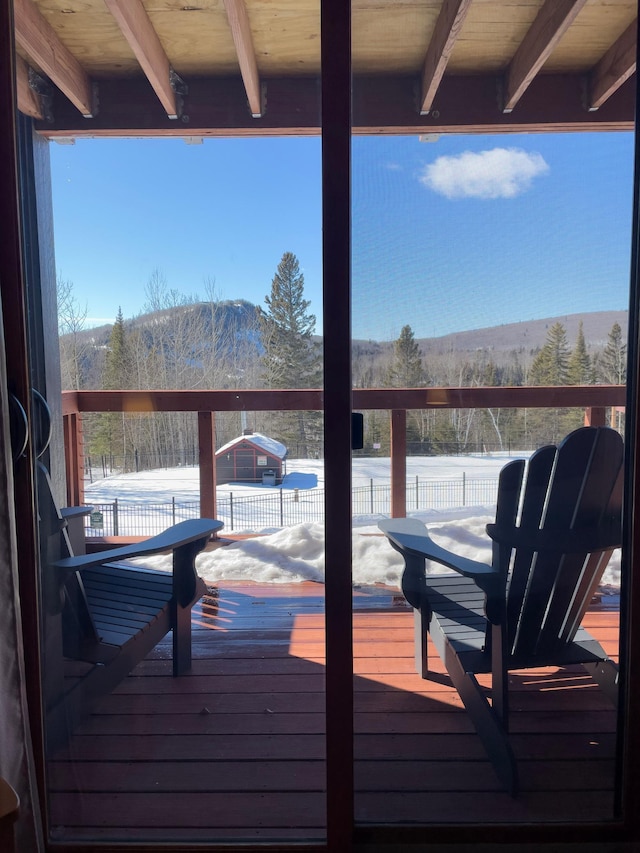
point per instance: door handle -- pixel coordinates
(19, 427)
(42, 424)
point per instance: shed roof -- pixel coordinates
(260, 442)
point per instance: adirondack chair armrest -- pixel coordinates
(194, 532)
(410, 537)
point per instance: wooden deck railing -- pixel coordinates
(596, 400)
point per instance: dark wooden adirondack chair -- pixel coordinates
(555, 529)
(107, 614)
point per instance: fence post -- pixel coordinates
(398, 463)
(595, 416)
(371, 490)
(207, 463)
(417, 500)
(74, 454)
(281, 510)
(115, 518)
(173, 509)
(231, 509)
(464, 488)
(136, 461)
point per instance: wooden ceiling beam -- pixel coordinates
(136, 27)
(616, 66)
(381, 105)
(551, 23)
(28, 100)
(467, 104)
(37, 38)
(243, 40)
(447, 29)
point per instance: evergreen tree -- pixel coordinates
(117, 367)
(580, 370)
(109, 437)
(291, 357)
(406, 370)
(612, 365)
(551, 365)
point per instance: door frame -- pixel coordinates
(336, 147)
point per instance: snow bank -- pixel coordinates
(296, 553)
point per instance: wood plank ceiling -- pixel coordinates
(252, 67)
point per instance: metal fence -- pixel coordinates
(283, 507)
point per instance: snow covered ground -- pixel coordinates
(296, 553)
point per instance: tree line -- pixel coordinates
(555, 363)
(183, 341)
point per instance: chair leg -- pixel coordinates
(420, 642)
(500, 676)
(181, 639)
(487, 723)
(606, 674)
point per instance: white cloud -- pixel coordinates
(498, 173)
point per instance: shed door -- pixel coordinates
(245, 464)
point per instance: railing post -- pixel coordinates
(207, 456)
(116, 527)
(398, 463)
(74, 458)
(595, 416)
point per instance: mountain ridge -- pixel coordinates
(530, 334)
(523, 335)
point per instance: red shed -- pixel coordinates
(251, 458)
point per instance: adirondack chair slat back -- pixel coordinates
(78, 624)
(530, 512)
(599, 507)
(573, 488)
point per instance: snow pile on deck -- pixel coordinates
(297, 553)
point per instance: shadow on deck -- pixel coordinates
(235, 750)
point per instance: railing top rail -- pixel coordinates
(579, 396)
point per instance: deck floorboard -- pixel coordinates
(235, 749)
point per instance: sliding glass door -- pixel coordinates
(490, 288)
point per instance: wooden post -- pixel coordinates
(207, 453)
(74, 461)
(398, 463)
(595, 416)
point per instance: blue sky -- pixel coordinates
(457, 233)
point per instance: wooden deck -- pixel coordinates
(235, 750)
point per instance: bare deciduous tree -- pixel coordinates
(71, 322)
